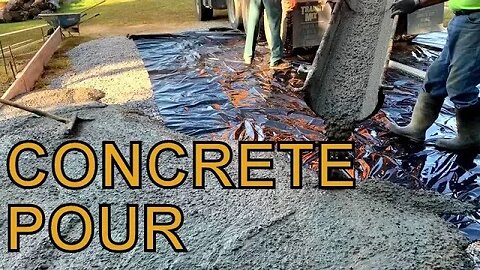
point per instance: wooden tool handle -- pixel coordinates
(33, 110)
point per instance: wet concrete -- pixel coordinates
(379, 225)
(349, 66)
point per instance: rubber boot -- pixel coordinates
(425, 112)
(468, 131)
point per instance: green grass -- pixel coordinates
(132, 12)
(10, 27)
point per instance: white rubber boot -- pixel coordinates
(425, 112)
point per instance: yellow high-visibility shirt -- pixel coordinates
(457, 5)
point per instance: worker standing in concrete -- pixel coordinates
(273, 9)
(455, 73)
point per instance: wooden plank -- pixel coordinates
(33, 70)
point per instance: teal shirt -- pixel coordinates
(456, 5)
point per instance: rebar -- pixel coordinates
(13, 71)
(13, 59)
(4, 60)
(43, 34)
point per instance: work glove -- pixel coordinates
(404, 7)
(288, 5)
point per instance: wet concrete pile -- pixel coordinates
(203, 89)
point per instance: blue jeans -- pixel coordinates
(456, 72)
(273, 8)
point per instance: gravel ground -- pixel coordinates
(111, 65)
(376, 226)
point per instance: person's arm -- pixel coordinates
(408, 6)
(427, 3)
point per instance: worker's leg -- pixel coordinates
(273, 8)
(430, 101)
(424, 114)
(436, 79)
(287, 8)
(254, 13)
(462, 82)
(464, 74)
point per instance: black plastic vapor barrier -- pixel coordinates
(202, 88)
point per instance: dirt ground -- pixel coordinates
(376, 226)
(98, 30)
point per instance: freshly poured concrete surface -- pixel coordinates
(376, 226)
(349, 64)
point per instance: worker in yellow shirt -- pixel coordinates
(455, 73)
